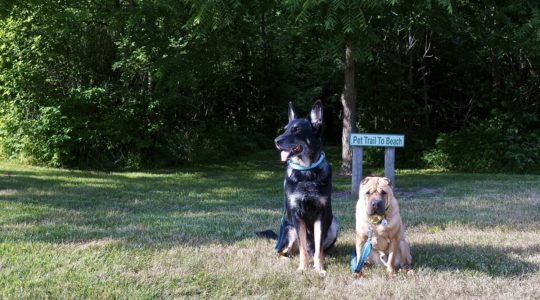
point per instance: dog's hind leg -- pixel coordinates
(406, 256)
(319, 251)
(331, 235)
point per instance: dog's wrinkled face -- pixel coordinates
(301, 140)
(376, 193)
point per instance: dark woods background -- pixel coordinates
(153, 83)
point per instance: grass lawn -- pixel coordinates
(189, 233)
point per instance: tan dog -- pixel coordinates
(378, 208)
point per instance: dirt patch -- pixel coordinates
(100, 243)
(420, 192)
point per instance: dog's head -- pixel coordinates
(301, 141)
(376, 193)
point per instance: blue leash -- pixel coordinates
(281, 238)
(366, 249)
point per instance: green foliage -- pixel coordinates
(492, 145)
(129, 84)
(451, 78)
(340, 21)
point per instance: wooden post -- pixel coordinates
(389, 159)
(358, 157)
(388, 141)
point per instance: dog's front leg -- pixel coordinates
(319, 251)
(360, 240)
(302, 243)
(392, 252)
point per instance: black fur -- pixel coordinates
(269, 234)
(308, 192)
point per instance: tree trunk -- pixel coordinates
(410, 54)
(425, 73)
(348, 100)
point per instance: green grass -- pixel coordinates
(189, 233)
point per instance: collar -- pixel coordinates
(376, 220)
(312, 166)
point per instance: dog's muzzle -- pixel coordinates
(376, 207)
(286, 153)
(279, 141)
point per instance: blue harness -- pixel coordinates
(281, 238)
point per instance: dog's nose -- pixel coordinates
(278, 141)
(377, 204)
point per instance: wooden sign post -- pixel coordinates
(361, 140)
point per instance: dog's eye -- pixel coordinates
(383, 192)
(295, 129)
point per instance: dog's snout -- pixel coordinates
(377, 204)
(278, 141)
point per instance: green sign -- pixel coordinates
(377, 140)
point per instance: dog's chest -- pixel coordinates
(381, 237)
(380, 243)
(307, 199)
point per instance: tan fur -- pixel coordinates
(390, 247)
(304, 256)
(319, 252)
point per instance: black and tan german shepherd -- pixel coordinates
(309, 227)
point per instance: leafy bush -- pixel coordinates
(494, 146)
(130, 84)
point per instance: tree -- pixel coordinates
(348, 100)
(134, 83)
(346, 26)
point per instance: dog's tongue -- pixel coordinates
(284, 155)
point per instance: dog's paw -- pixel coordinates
(358, 275)
(320, 269)
(391, 275)
(318, 265)
(407, 270)
(301, 268)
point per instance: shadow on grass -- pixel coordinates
(211, 204)
(341, 253)
(492, 261)
(485, 259)
(163, 210)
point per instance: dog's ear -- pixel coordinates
(390, 183)
(316, 115)
(292, 113)
(365, 180)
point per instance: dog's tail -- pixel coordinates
(269, 234)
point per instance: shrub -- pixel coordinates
(493, 146)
